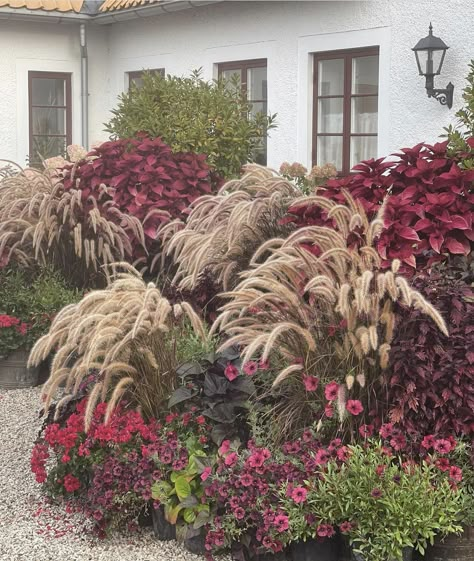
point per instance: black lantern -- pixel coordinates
(430, 52)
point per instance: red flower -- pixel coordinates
(354, 406)
(200, 420)
(71, 483)
(342, 454)
(330, 391)
(311, 383)
(263, 364)
(329, 411)
(442, 464)
(380, 470)
(299, 494)
(206, 473)
(231, 372)
(239, 513)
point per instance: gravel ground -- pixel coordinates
(33, 530)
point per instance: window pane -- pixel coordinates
(331, 77)
(230, 76)
(364, 114)
(257, 83)
(330, 115)
(48, 91)
(258, 107)
(365, 75)
(49, 120)
(329, 151)
(363, 148)
(136, 81)
(47, 147)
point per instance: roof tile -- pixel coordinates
(48, 5)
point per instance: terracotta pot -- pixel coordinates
(14, 374)
(453, 547)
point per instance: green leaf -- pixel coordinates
(182, 486)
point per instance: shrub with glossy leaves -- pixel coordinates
(193, 115)
(429, 213)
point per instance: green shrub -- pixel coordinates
(28, 305)
(193, 115)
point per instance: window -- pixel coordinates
(136, 78)
(251, 75)
(50, 115)
(345, 107)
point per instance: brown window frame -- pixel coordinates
(243, 66)
(133, 74)
(67, 77)
(347, 55)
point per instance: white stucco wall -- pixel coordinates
(48, 47)
(286, 33)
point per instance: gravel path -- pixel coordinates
(31, 529)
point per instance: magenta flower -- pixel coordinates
(443, 464)
(263, 364)
(250, 368)
(311, 383)
(206, 473)
(330, 391)
(299, 494)
(345, 527)
(376, 493)
(322, 457)
(239, 513)
(231, 372)
(428, 442)
(366, 431)
(230, 459)
(246, 480)
(398, 442)
(354, 406)
(455, 473)
(442, 446)
(342, 454)
(224, 447)
(325, 530)
(386, 430)
(329, 411)
(281, 522)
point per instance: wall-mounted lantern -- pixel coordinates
(430, 52)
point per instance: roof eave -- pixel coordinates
(23, 14)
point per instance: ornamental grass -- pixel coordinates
(41, 223)
(127, 335)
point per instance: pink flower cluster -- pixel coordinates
(12, 321)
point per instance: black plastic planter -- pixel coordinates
(314, 550)
(196, 544)
(163, 530)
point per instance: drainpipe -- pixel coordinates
(84, 87)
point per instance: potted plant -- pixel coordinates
(387, 507)
(460, 466)
(27, 305)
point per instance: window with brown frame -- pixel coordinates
(135, 78)
(345, 107)
(251, 77)
(50, 115)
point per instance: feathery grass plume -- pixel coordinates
(129, 334)
(225, 233)
(333, 288)
(42, 223)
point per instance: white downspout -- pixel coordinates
(84, 88)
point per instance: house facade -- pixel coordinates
(341, 75)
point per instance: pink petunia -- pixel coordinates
(250, 368)
(231, 459)
(299, 494)
(224, 447)
(329, 411)
(354, 406)
(455, 473)
(330, 391)
(428, 441)
(281, 522)
(345, 527)
(325, 530)
(263, 364)
(311, 383)
(366, 431)
(386, 430)
(231, 372)
(442, 446)
(206, 473)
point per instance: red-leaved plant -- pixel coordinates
(142, 178)
(431, 376)
(429, 213)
